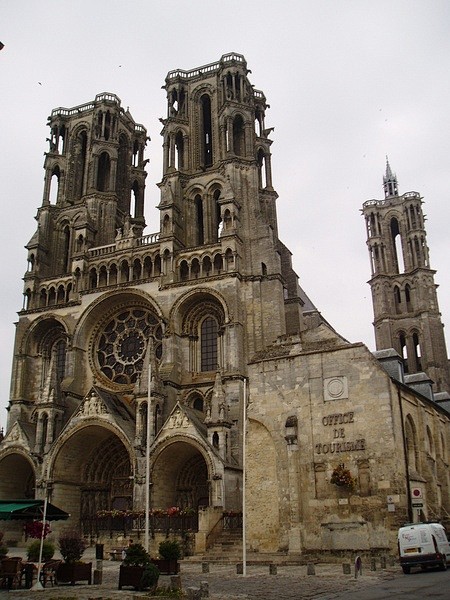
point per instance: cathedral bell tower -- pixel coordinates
(216, 189)
(405, 304)
(93, 188)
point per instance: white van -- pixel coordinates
(424, 545)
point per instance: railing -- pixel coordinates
(146, 240)
(387, 201)
(132, 525)
(232, 520)
(209, 68)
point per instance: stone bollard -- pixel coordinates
(373, 564)
(98, 576)
(273, 569)
(204, 589)
(205, 567)
(310, 569)
(240, 569)
(175, 582)
(358, 566)
(193, 593)
(346, 568)
(383, 562)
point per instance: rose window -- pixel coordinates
(122, 344)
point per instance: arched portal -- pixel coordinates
(92, 472)
(180, 478)
(22, 484)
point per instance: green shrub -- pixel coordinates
(136, 556)
(170, 550)
(150, 576)
(71, 546)
(48, 550)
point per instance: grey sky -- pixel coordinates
(348, 82)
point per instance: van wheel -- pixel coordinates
(424, 567)
(406, 570)
(443, 565)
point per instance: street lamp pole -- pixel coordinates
(147, 455)
(244, 474)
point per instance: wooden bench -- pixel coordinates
(116, 553)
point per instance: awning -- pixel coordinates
(29, 510)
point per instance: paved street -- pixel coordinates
(290, 582)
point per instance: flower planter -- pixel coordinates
(72, 572)
(166, 566)
(130, 576)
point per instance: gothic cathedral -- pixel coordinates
(142, 359)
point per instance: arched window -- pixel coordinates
(409, 306)
(43, 298)
(195, 268)
(208, 344)
(206, 266)
(137, 269)
(92, 279)
(403, 350)
(238, 136)
(66, 249)
(147, 267)
(417, 353)
(203, 328)
(184, 271)
(51, 296)
(103, 277)
(260, 159)
(79, 152)
(218, 263)
(198, 403)
(397, 299)
(206, 131)
(60, 349)
(216, 216)
(179, 151)
(113, 275)
(103, 174)
(124, 272)
(411, 442)
(54, 185)
(61, 295)
(199, 232)
(397, 252)
(430, 442)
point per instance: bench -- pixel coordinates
(117, 553)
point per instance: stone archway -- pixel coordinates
(180, 477)
(92, 472)
(20, 486)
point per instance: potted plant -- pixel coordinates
(3, 547)
(169, 555)
(137, 570)
(72, 546)
(33, 550)
(341, 477)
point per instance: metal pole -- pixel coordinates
(244, 507)
(147, 455)
(38, 585)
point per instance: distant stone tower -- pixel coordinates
(405, 305)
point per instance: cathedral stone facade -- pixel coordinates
(176, 365)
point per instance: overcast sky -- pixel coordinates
(348, 82)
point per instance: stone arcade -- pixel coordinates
(203, 311)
